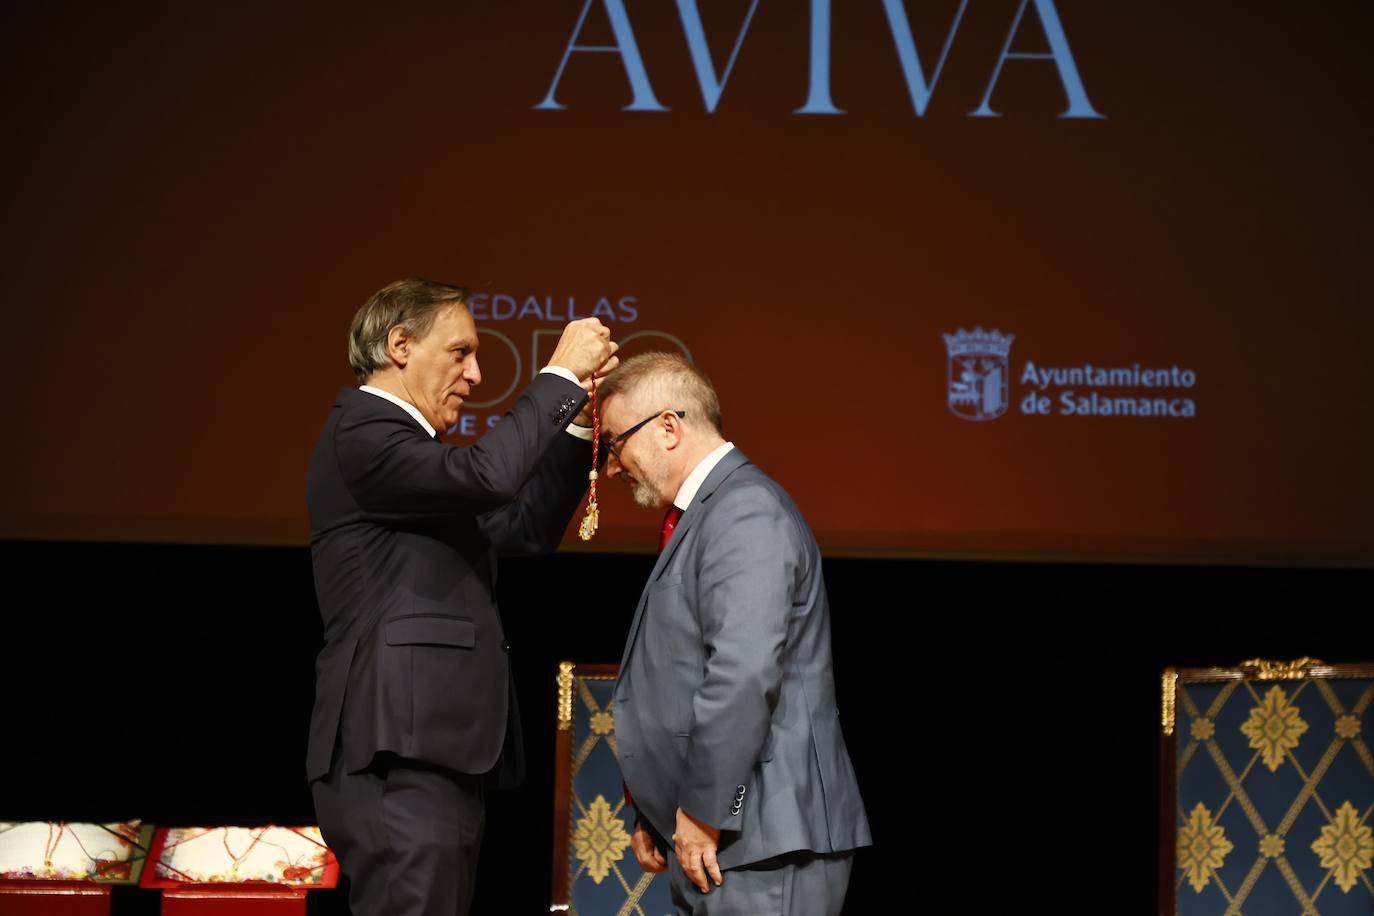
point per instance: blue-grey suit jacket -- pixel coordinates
(725, 704)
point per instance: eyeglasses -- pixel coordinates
(613, 445)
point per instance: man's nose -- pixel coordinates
(613, 466)
(471, 372)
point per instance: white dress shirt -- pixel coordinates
(688, 491)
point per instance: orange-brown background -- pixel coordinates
(199, 197)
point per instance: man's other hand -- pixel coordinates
(695, 844)
(646, 853)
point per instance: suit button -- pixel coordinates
(505, 646)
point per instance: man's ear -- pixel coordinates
(672, 427)
(398, 346)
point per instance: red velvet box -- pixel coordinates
(237, 871)
(233, 900)
(66, 868)
(55, 898)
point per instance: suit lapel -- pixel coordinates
(733, 460)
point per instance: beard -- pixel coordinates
(646, 487)
(645, 494)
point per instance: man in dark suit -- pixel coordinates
(725, 719)
(414, 708)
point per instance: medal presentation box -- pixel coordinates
(59, 868)
(238, 871)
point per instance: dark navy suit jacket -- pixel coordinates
(405, 533)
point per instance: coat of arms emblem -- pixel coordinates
(978, 369)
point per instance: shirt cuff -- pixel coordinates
(561, 373)
(581, 432)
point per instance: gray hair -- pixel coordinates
(670, 381)
(411, 303)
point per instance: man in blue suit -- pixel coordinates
(726, 726)
(414, 708)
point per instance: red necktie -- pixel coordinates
(669, 523)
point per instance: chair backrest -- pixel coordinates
(1267, 789)
(594, 870)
